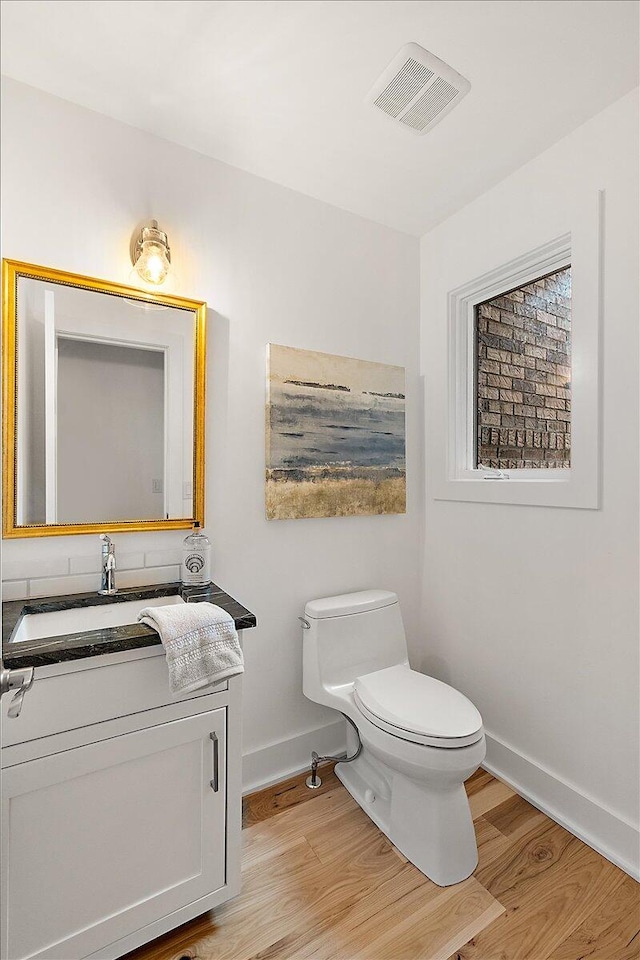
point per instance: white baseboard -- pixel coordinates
(277, 761)
(614, 837)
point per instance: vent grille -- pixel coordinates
(417, 89)
(432, 102)
(404, 87)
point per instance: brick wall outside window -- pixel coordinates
(523, 350)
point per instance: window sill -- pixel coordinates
(554, 491)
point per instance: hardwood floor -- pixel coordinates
(320, 882)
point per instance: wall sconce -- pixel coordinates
(150, 254)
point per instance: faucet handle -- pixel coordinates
(108, 584)
(108, 552)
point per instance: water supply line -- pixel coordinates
(314, 781)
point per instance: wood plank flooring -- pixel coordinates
(320, 882)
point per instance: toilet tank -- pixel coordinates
(348, 636)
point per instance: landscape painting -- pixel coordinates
(335, 436)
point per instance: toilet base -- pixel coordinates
(429, 823)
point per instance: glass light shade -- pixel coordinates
(152, 256)
(152, 264)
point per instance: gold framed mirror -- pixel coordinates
(103, 405)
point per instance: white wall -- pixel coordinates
(273, 266)
(533, 611)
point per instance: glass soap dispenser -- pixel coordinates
(196, 558)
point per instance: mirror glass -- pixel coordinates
(105, 406)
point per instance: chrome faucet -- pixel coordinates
(108, 582)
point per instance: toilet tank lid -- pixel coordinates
(349, 603)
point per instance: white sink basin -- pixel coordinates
(57, 623)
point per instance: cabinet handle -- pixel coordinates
(215, 782)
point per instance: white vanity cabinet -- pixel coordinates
(126, 822)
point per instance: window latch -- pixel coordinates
(491, 474)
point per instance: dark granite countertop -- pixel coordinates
(76, 646)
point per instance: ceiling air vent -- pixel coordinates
(417, 89)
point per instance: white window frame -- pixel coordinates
(574, 486)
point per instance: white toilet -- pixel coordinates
(421, 738)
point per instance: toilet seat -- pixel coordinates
(414, 707)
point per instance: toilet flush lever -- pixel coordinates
(305, 623)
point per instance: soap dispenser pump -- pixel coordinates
(196, 558)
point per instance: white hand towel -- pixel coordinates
(200, 641)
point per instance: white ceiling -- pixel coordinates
(277, 87)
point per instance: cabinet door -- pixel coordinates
(103, 839)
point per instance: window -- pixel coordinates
(523, 376)
(522, 409)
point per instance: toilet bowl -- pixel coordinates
(421, 739)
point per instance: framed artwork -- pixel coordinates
(335, 436)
